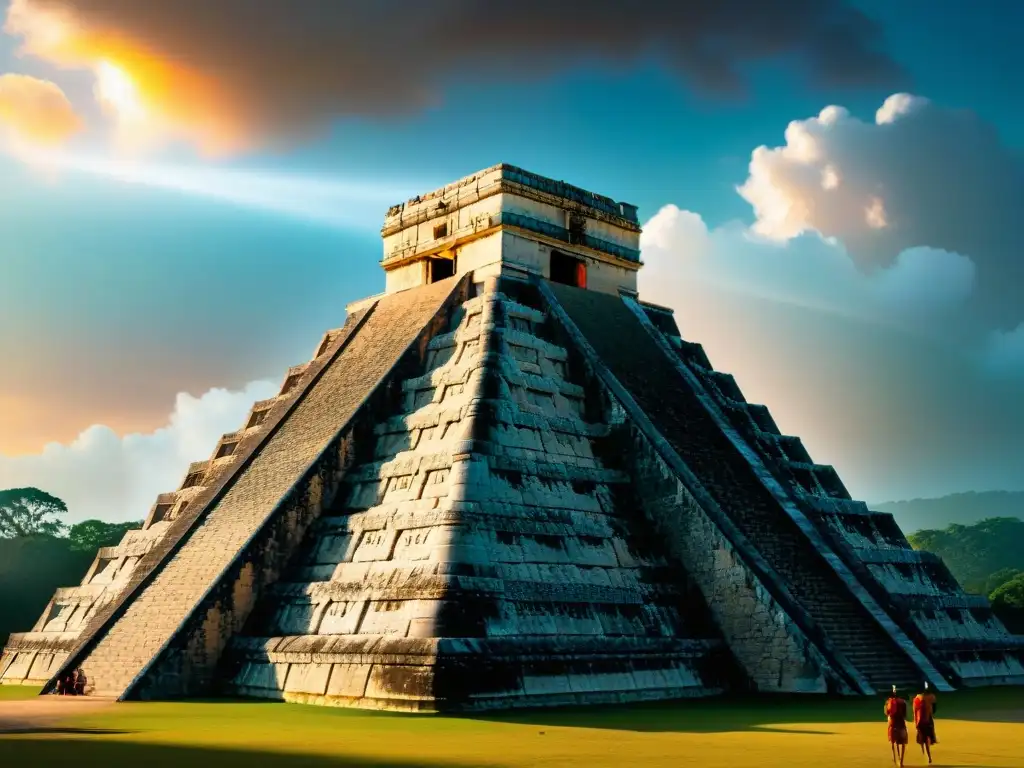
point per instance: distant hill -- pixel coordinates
(958, 508)
(981, 556)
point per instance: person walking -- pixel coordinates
(924, 720)
(896, 714)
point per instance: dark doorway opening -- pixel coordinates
(568, 270)
(440, 269)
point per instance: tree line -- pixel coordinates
(39, 553)
(987, 558)
(32, 513)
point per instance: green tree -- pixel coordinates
(974, 552)
(1008, 603)
(1000, 577)
(1009, 594)
(90, 535)
(30, 512)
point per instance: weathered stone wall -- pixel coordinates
(479, 559)
(188, 664)
(821, 594)
(458, 220)
(504, 215)
(959, 632)
(34, 657)
(467, 674)
(772, 649)
(458, 205)
(978, 668)
(167, 604)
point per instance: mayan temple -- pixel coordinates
(508, 481)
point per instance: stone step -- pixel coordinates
(651, 378)
(180, 579)
(510, 598)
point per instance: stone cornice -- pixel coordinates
(501, 186)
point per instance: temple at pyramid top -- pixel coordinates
(507, 220)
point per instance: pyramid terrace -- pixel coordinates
(508, 481)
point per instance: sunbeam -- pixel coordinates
(344, 204)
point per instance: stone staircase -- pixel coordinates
(480, 554)
(167, 633)
(959, 632)
(648, 374)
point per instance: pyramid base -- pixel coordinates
(470, 675)
(499, 703)
(31, 658)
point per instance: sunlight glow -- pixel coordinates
(153, 100)
(342, 204)
(116, 89)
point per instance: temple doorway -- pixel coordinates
(568, 270)
(440, 269)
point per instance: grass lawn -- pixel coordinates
(984, 729)
(16, 692)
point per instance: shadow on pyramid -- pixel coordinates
(508, 482)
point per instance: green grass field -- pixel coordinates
(983, 729)
(15, 692)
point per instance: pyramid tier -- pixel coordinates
(957, 631)
(165, 630)
(487, 548)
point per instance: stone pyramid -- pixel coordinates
(507, 482)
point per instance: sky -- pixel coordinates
(191, 192)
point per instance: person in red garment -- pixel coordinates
(924, 720)
(896, 713)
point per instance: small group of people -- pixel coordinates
(924, 707)
(71, 684)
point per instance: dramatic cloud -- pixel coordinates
(919, 175)
(923, 286)
(35, 111)
(110, 477)
(233, 71)
(874, 304)
(881, 374)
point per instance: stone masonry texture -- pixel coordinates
(157, 612)
(485, 554)
(76, 614)
(496, 491)
(634, 358)
(958, 632)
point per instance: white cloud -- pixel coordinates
(919, 175)
(830, 178)
(922, 286)
(874, 214)
(896, 106)
(880, 373)
(875, 301)
(787, 184)
(36, 111)
(117, 478)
